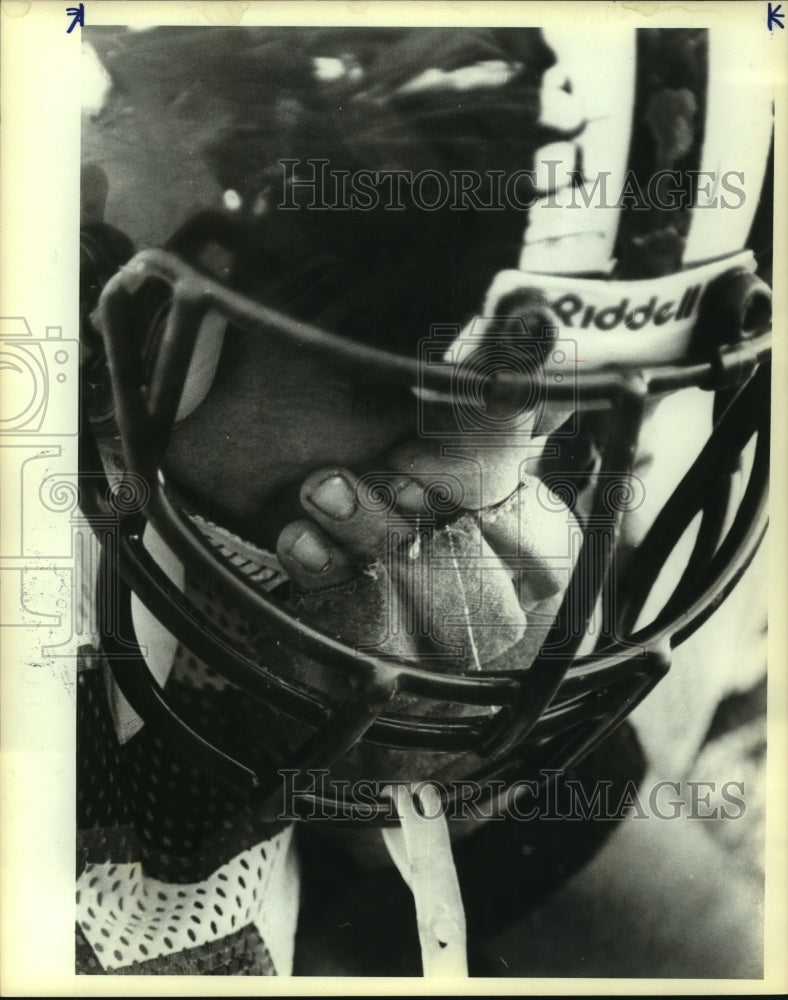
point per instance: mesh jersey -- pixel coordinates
(176, 876)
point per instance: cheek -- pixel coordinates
(266, 423)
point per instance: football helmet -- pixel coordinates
(603, 309)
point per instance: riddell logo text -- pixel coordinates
(577, 314)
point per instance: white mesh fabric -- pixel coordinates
(128, 917)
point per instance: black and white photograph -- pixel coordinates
(392, 590)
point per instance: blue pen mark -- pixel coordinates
(773, 16)
(77, 15)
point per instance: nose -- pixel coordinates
(486, 433)
(487, 446)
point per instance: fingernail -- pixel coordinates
(334, 496)
(310, 553)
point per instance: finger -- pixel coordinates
(353, 516)
(312, 560)
(537, 537)
(472, 476)
(462, 597)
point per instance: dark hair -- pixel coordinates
(257, 96)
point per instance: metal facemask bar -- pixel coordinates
(538, 711)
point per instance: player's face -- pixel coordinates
(276, 452)
(274, 415)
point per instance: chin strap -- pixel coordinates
(421, 849)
